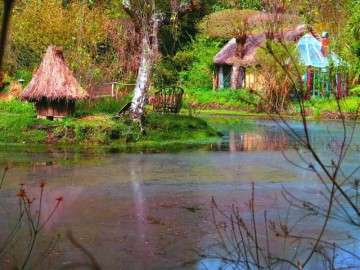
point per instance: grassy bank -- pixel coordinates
(244, 102)
(18, 124)
(93, 123)
(316, 108)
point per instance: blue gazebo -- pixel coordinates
(321, 80)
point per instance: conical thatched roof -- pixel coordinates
(53, 80)
(227, 55)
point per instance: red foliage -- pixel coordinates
(22, 194)
(59, 199)
(42, 184)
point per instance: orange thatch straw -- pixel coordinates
(53, 80)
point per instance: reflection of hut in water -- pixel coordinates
(239, 142)
(54, 88)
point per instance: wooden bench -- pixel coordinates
(168, 99)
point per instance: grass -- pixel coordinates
(18, 124)
(226, 101)
(94, 124)
(223, 98)
(320, 107)
(14, 128)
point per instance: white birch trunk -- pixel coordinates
(149, 50)
(143, 80)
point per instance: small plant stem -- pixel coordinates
(30, 249)
(34, 228)
(40, 205)
(318, 240)
(3, 177)
(37, 229)
(28, 214)
(11, 234)
(267, 240)
(254, 224)
(48, 218)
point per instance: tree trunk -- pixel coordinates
(236, 70)
(137, 108)
(235, 77)
(149, 25)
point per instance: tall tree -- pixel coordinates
(148, 18)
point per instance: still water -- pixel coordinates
(147, 210)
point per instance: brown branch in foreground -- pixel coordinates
(93, 262)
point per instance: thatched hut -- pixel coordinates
(231, 67)
(54, 88)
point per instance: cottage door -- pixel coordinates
(227, 76)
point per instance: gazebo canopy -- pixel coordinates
(311, 55)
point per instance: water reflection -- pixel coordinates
(266, 135)
(262, 141)
(152, 211)
(142, 243)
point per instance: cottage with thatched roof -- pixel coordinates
(231, 65)
(54, 89)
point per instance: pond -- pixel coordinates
(154, 210)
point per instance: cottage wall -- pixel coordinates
(224, 77)
(54, 109)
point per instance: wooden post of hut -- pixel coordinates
(54, 89)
